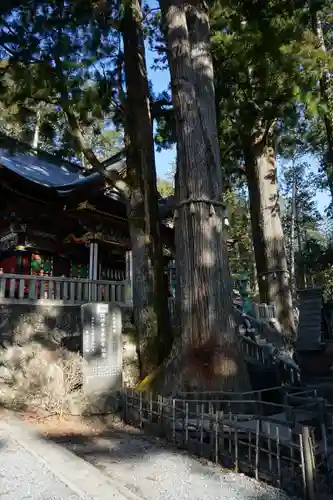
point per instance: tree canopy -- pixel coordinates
(73, 79)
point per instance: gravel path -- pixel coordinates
(132, 468)
(157, 473)
(24, 477)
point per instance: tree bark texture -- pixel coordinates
(268, 240)
(211, 354)
(143, 294)
(150, 289)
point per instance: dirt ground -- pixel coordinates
(68, 425)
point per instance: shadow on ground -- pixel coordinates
(116, 445)
(149, 467)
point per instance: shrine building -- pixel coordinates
(63, 235)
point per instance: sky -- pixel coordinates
(164, 159)
(160, 80)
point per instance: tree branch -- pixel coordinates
(111, 177)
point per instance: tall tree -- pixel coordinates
(150, 304)
(79, 70)
(320, 14)
(207, 323)
(300, 215)
(261, 87)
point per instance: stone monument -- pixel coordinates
(102, 349)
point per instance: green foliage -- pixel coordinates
(165, 187)
(327, 281)
(304, 181)
(317, 261)
(266, 66)
(69, 55)
(57, 56)
(239, 232)
(301, 220)
(61, 56)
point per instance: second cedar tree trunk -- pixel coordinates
(268, 240)
(207, 321)
(150, 300)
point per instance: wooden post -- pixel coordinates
(257, 450)
(217, 415)
(211, 428)
(129, 278)
(125, 408)
(303, 463)
(140, 410)
(186, 423)
(2, 287)
(201, 428)
(221, 429)
(278, 455)
(173, 421)
(236, 446)
(150, 412)
(159, 409)
(269, 447)
(308, 461)
(230, 427)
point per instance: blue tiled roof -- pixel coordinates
(35, 169)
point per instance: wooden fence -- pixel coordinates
(235, 432)
(69, 290)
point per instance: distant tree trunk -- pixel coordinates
(35, 140)
(207, 320)
(292, 237)
(267, 233)
(301, 274)
(326, 91)
(255, 286)
(150, 298)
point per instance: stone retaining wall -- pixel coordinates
(21, 323)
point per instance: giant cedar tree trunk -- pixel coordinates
(150, 299)
(267, 233)
(207, 321)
